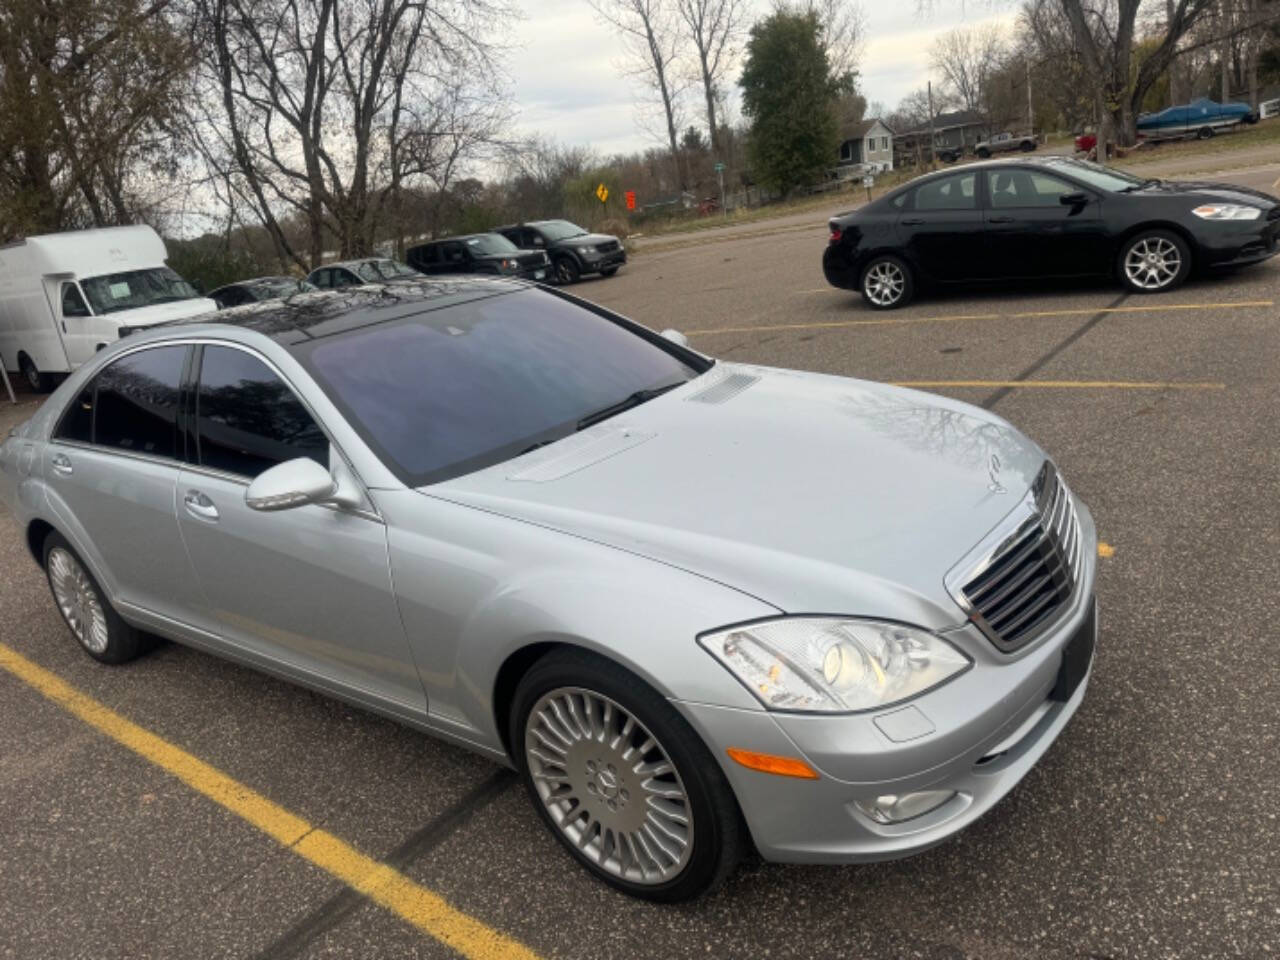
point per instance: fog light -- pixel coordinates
(895, 808)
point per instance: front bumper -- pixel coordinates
(978, 736)
(1238, 245)
(604, 261)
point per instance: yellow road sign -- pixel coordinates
(602, 193)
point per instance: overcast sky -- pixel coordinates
(567, 81)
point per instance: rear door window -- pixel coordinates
(957, 192)
(132, 405)
(248, 419)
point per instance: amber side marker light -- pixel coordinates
(769, 763)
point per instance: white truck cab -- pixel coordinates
(64, 296)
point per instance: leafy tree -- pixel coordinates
(790, 96)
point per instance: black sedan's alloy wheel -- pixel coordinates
(887, 283)
(1154, 261)
(622, 780)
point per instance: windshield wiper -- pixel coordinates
(1151, 182)
(634, 400)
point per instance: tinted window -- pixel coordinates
(491, 243)
(1026, 188)
(136, 402)
(322, 279)
(453, 252)
(73, 304)
(948, 193)
(248, 419)
(425, 254)
(77, 419)
(457, 389)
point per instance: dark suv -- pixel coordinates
(479, 253)
(572, 250)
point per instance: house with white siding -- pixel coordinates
(869, 142)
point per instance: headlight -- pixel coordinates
(585, 251)
(1227, 211)
(832, 665)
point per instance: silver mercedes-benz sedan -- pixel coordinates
(697, 605)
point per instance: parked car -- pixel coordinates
(1201, 118)
(532, 527)
(65, 296)
(490, 253)
(950, 154)
(573, 251)
(1046, 217)
(354, 273)
(259, 289)
(1004, 143)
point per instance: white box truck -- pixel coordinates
(64, 296)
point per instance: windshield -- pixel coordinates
(555, 230)
(136, 288)
(1096, 175)
(457, 389)
(491, 243)
(279, 287)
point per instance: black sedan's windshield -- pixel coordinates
(454, 390)
(1096, 175)
(136, 288)
(491, 244)
(555, 230)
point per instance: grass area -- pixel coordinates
(850, 195)
(1262, 134)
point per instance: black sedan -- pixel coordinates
(1046, 217)
(257, 290)
(490, 253)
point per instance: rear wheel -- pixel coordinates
(622, 780)
(566, 271)
(1154, 261)
(85, 609)
(37, 381)
(1204, 133)
(983, 152)
(1027, 146)
(887, 283)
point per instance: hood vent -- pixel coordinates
(724, 390)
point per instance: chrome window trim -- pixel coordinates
(371, 514)
(118, 452)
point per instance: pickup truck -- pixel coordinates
(1003, 143)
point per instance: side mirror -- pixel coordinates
(1073, 199)
(675, 336)
(293, 483)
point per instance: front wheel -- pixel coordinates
(622, 780)
(1154, 261)
(983, 152)
(566, 271)
(1027, 146)
(887, 283)
(1204, 133)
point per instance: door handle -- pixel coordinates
(198, 505)
(61, 463)
(1000, 220)
(912, 221)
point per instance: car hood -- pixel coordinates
(162, 312)
(586, 240)
(1227, 192)
(812, 493)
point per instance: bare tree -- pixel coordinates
(713, 26)
(654, 47)
(967, 57)
(844, 27)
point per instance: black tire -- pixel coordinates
(608, 271)
(983, 152)
(37, 381)
(566, 271)
(886, 267)
(1204, 133)
(115, 641)
(719, 835)
(1027, 146)
(1156, 241)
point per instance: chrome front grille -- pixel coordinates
(1021, 582)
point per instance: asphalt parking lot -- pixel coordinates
(1149, 829)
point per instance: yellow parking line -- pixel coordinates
(1024, 315)
(424, 909)
(1070, 384)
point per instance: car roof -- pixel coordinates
(351, 263)
(309, 316)
(461, 236)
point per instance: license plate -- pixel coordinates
(1076, 656)
(539, 274)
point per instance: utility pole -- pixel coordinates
(933, 157)
(1031, 118)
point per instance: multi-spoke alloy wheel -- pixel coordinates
(609, 785)
(886, 283)
(1152, 263)
(78, 600)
